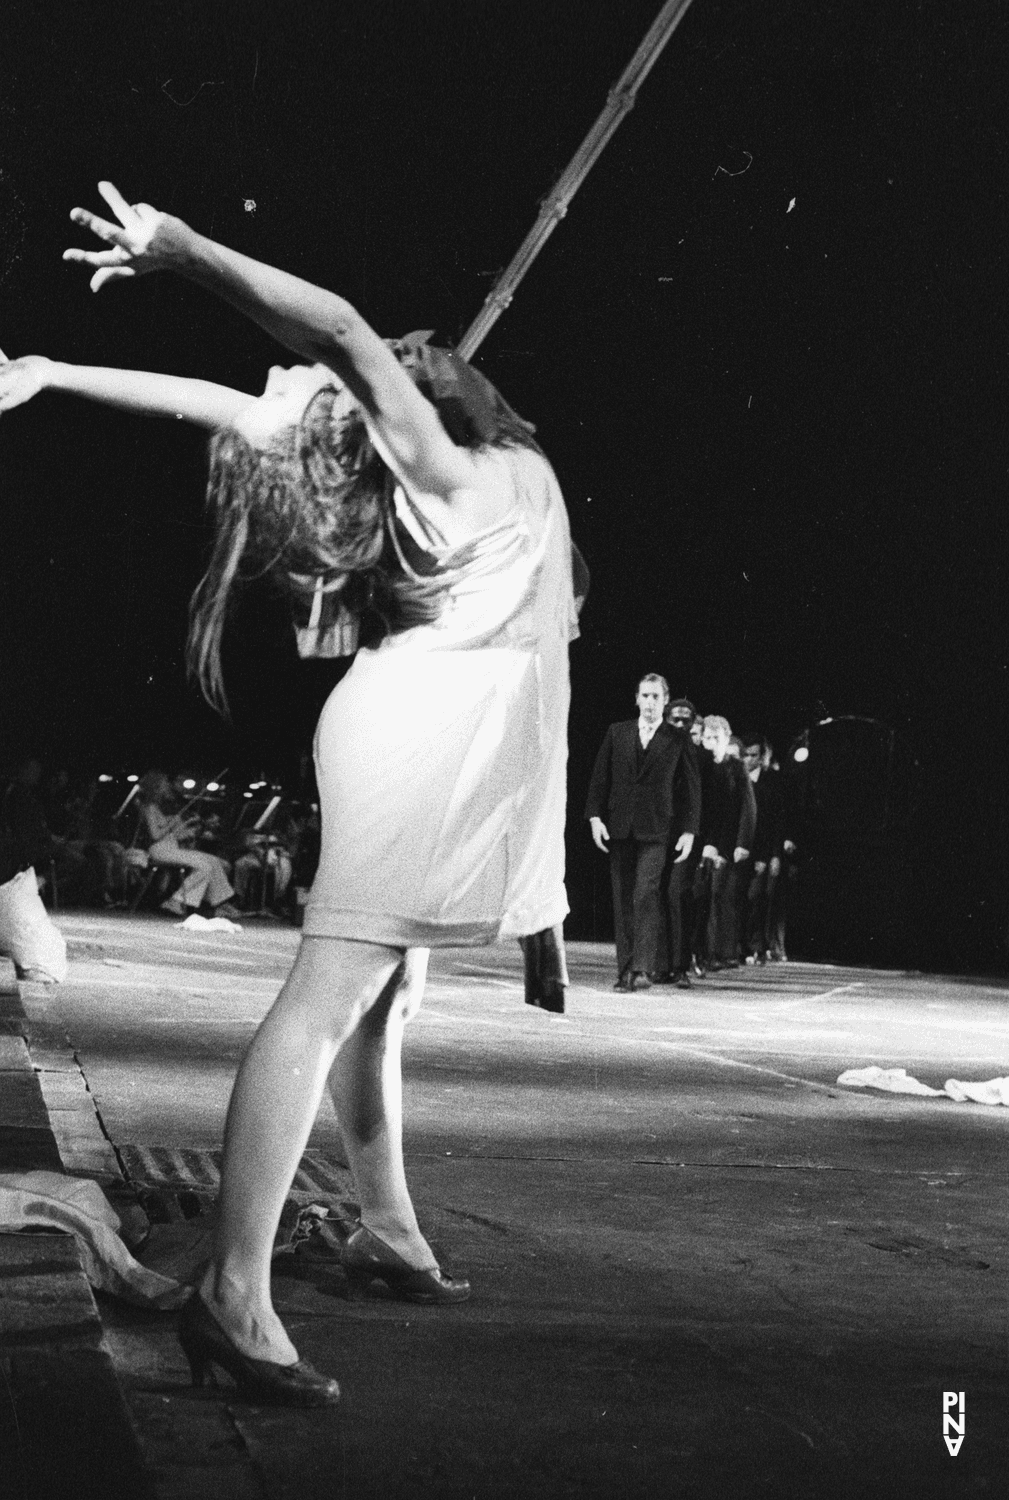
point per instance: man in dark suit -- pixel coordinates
(674, 942)
(630, 810)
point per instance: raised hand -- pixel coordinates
(143, 240)
(21, 379)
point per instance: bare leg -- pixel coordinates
(366, 1084)
(273, 1107)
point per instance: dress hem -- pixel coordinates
(393, 930)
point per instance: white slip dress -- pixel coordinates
(441, 757)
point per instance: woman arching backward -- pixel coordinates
(391, 485)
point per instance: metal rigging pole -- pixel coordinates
(619, 101)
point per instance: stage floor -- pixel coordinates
(700, 1265)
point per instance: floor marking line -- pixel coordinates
(621, 1041)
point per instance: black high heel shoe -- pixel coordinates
(366, 1258)
(205, 1343)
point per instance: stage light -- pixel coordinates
(801, 754)
(213, 786)
(103, 777)
(247, 794)
(133, 778)
(188, 784)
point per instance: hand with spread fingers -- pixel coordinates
(21, 379)
(143, 240)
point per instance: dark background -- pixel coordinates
(781, 433)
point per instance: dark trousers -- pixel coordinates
(768, 901)
(742, 874)
(674, 954)
(778, 901)
(714, 912)
(758, 938)
(636, 876)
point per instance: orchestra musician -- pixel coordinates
(171, 835)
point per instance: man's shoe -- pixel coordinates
(624, 984)
(665, 977)
(682, 980)
(640, 981)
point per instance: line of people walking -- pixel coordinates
(699, 830)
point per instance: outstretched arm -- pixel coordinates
(315, 324)
(198, 401)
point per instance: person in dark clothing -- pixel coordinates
(727, 816)
(766, 847)
(630, 809)
(773, 854)
(741, 863)
(31, 843)
(678, 878)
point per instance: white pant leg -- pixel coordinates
(207, 880)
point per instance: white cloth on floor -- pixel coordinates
(893, 1080)
(49, 1200)
(196, 923)
(994, 1091)
(898, 1081)
(28, 933)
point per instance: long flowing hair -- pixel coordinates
(317, 504)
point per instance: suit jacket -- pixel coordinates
(720, 808)
(745, 801)
(640, 802)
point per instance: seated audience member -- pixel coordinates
(306, 834)
(262, 870)
(167, 834)
(61, 869)
(90, 829)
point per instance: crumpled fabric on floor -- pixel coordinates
(994, 1091)
(899, 1081)
(49, 1200)
(196, 923)
(893, 1080)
